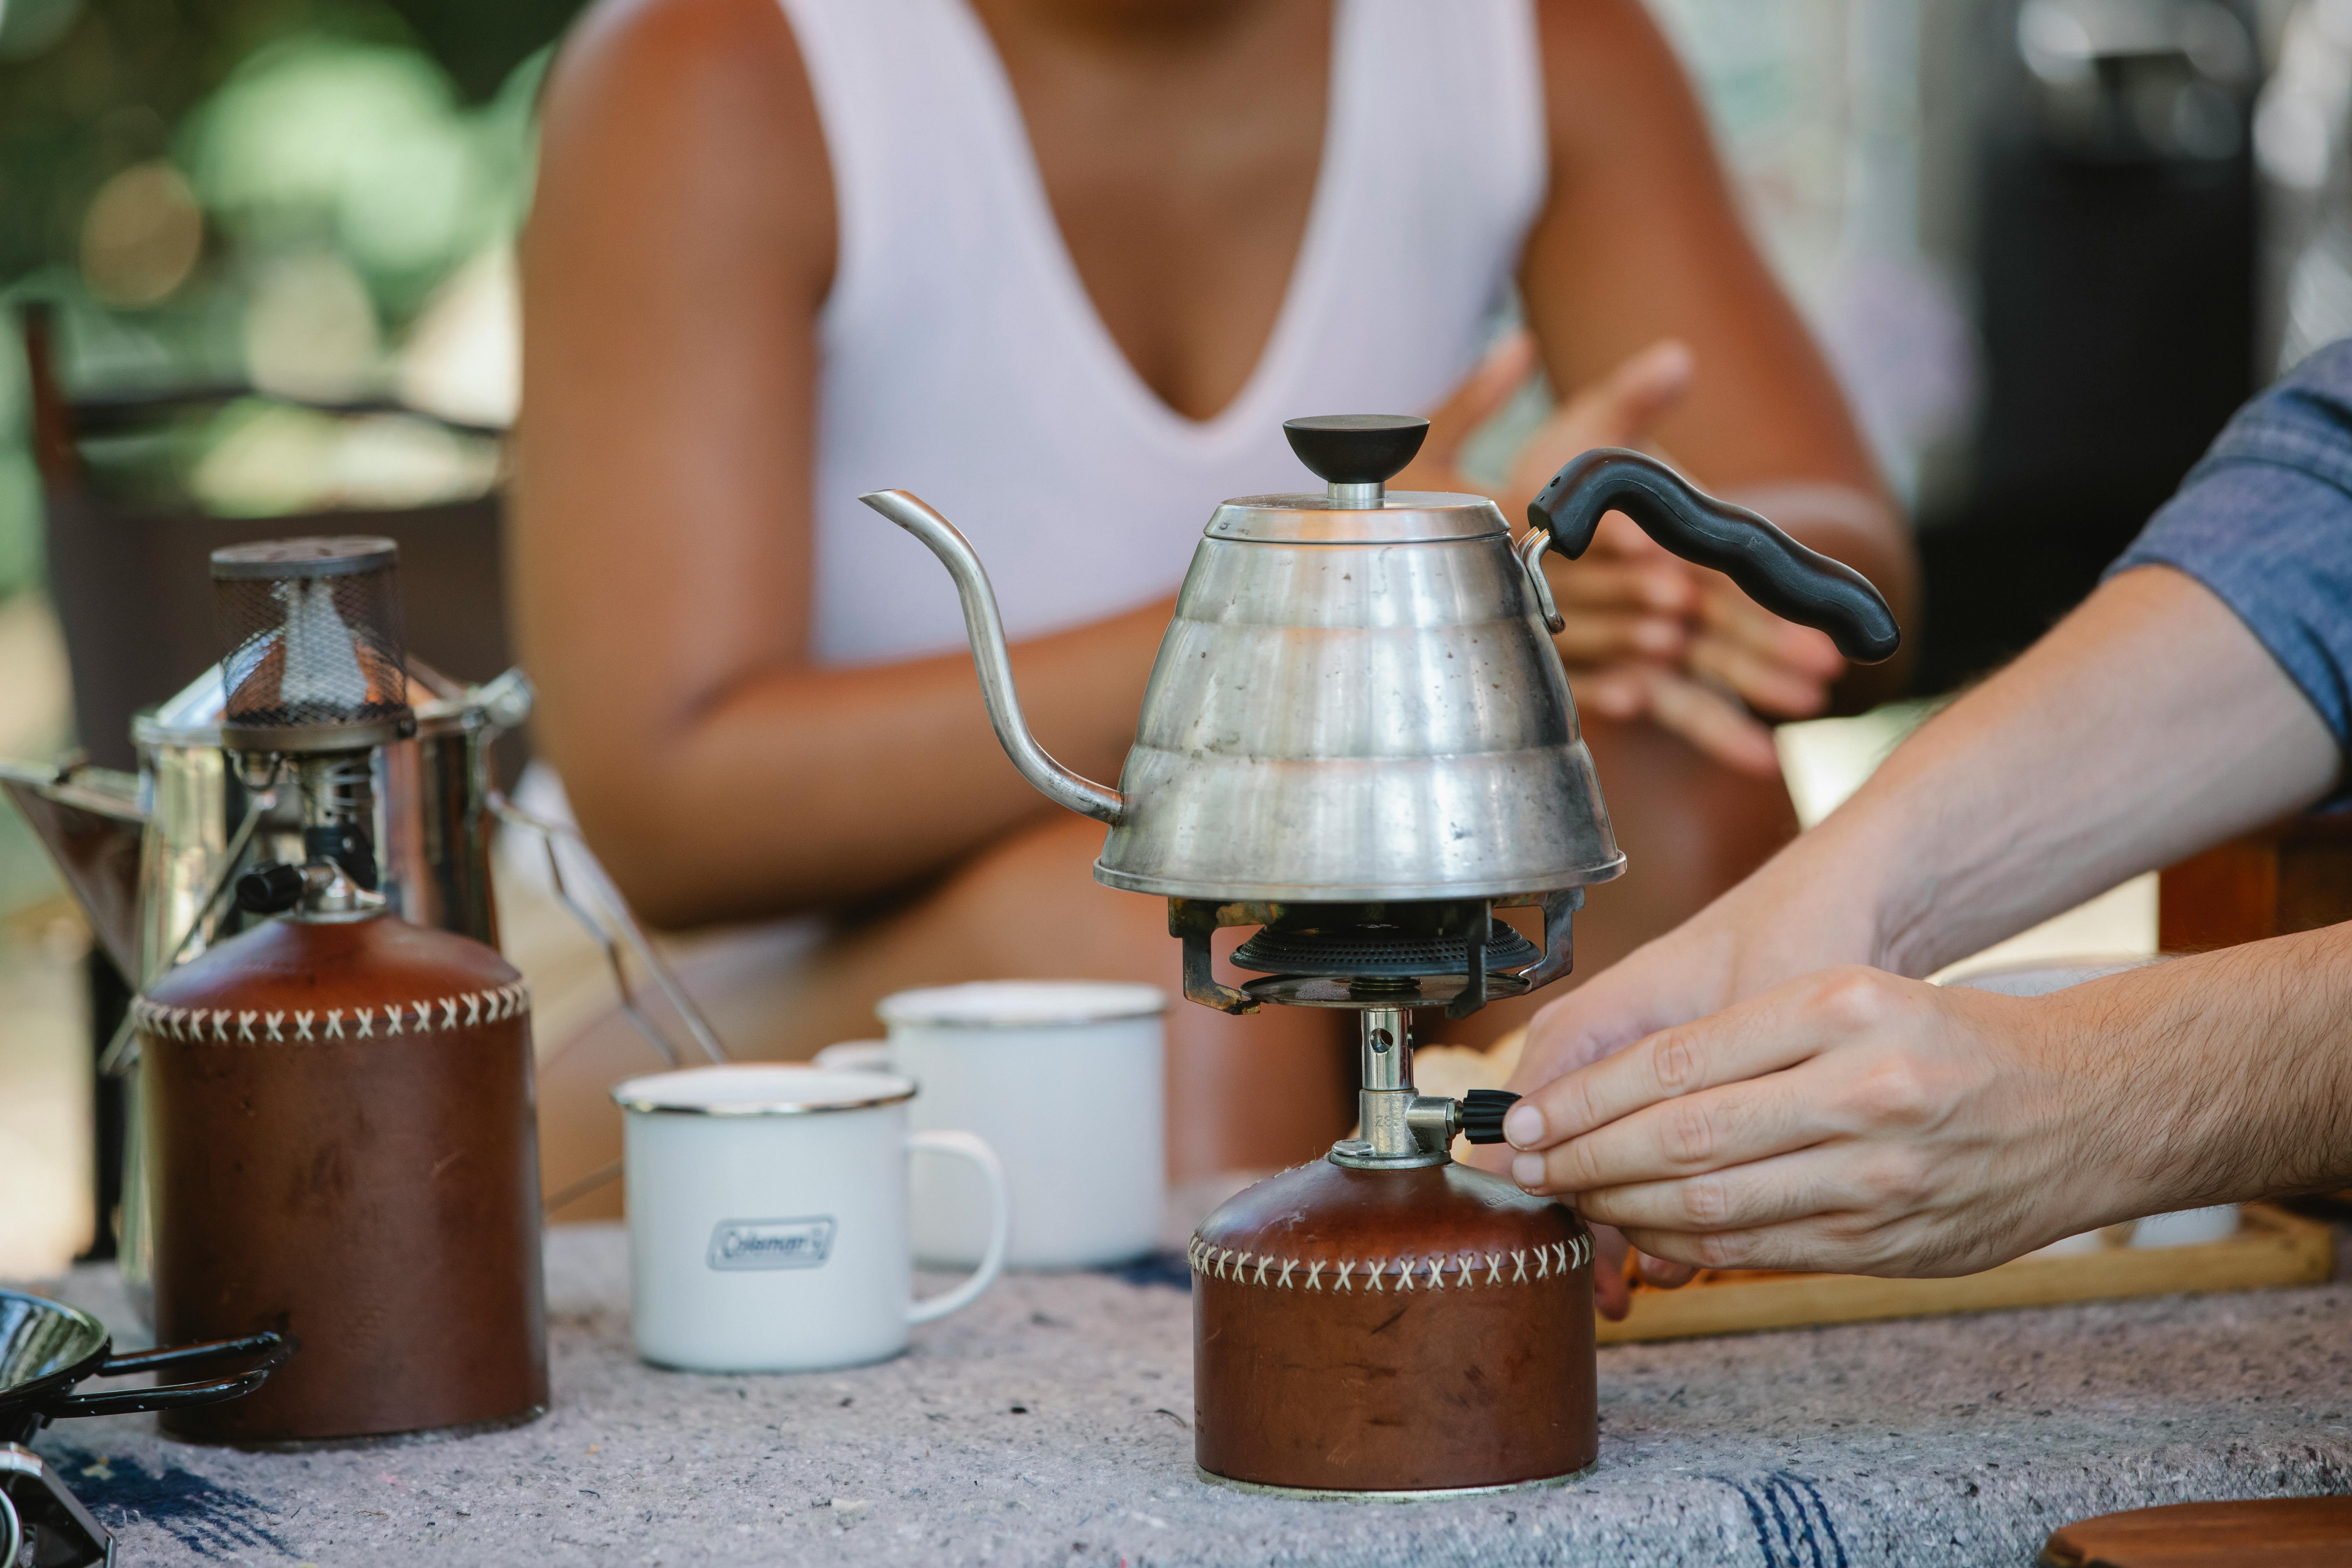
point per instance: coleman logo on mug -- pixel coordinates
(771, 1243)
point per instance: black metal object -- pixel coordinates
(271, 889)
(348, 844)
(1304, 944)
(1356, 449)
(2117, 280)
(1412, 953)
(1482, 1114)
(43, 1525)
(47, 1348)
(110, 999)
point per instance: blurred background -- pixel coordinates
(265, 248)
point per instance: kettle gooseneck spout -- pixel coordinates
(994, 662)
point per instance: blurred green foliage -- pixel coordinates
(389, 137)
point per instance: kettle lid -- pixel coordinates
(1355, 455)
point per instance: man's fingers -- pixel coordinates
(1776, 1190)
(1636, 996)
(1774, 1031)
(1833, 1243)
(1773, 1248)
(1664, 1273)
(1611, 1291)
(1687, 1134)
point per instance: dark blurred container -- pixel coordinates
(2114, 255)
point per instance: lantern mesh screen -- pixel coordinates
(310, 642)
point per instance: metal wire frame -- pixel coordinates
(630, 935)
(121, 1053)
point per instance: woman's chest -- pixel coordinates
(1182, 183)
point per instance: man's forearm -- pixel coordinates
(2227, 1073)
(2148, 725)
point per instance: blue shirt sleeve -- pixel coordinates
(2264, 521)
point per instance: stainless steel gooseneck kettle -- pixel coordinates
(1357, 702)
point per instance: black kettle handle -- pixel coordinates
(1793, 581)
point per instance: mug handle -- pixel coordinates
(968, 1146)
(856, 1056)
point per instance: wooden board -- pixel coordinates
(2271, 1247)
(2273, 1532)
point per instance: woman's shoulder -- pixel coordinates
(1604, 60)
(694, 118)
(724, 71)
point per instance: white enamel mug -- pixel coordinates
(1065, 1079)
(768, 1217)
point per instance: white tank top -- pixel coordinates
(962, 359)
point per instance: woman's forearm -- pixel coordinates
(805, 788)
(2148, 725)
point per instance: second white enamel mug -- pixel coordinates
(1065, 1078)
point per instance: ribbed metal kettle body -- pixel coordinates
(1354, 705)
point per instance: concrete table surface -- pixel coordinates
(1051, 1424)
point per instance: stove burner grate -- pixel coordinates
(1377, 951)
(1333, 990)
(1388, 953)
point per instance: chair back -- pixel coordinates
(133, 585)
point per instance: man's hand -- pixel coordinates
(1799, 913)
(1850, 1120)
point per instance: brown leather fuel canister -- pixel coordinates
(1392, 1330)
(343, 1145)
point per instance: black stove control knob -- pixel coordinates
(271, 889)
(1482, 1114)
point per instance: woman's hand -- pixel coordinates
(1649, 634)
(1850, 1120)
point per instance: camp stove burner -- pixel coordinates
(1377, 951)
(1447, 990)
(1438, 953)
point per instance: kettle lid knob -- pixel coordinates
(1356, 449)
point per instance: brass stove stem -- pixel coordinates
(1387, 1093)
(1401, 1129)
